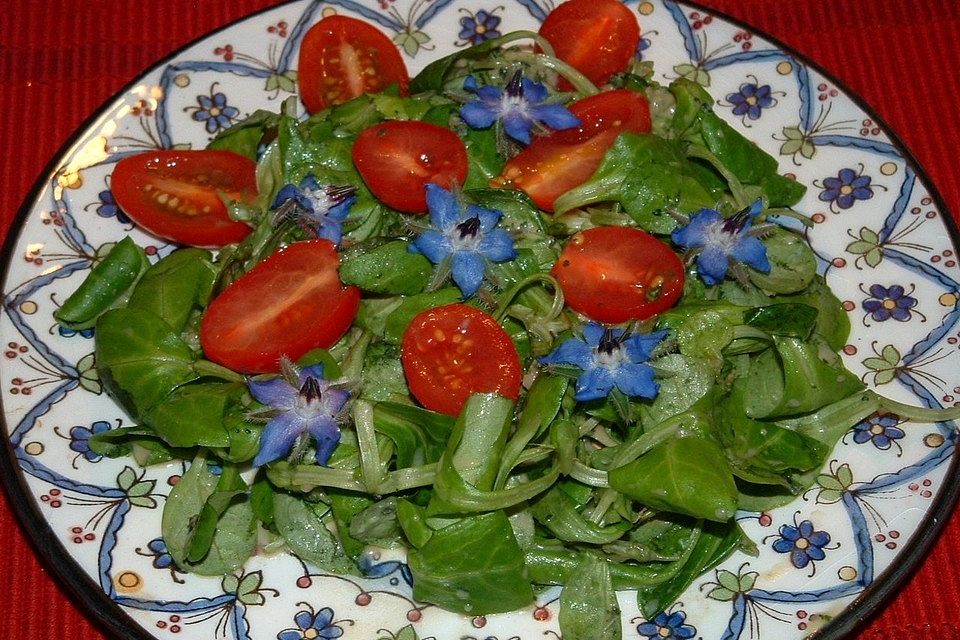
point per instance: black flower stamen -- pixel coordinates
(469, 228)
(310, 390)
(338, 194)
(735, 223)
(514, 88)
(610, 342)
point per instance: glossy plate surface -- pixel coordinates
(885, 242)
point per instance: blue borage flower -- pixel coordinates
(297, 404)
(466, 235)
(321, 209)
(519, 107)
(718, 241)
(610, 358)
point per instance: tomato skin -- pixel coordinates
(615, 274)
(598, 38)
(288, 304)
(553, 164)
(397, 159)
(454, 350)
(176, 194)
(342, 58)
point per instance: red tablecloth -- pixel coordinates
(60, 59)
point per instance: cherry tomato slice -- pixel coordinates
(342, 58)
(615, 274)
(553, 164)
(176, 195)
(598, 38)
(452, 351)
(399, 157)
(288, 304)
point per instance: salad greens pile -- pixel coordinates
(597, 492)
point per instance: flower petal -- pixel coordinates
(533, 91)
(468, 269)
(443, 206)
(497, 246)
(478, 115)
(323, 618)
(432, 244)
(273, 392)
(752, 252)
(517, 124)
(573, 352)
(712, 264)
(488, 217)
(639, 346)
(695, 233)
(278, 437)
(592, 332)
(636, 380)
(594, 384)
(555, 116)
(303, 619)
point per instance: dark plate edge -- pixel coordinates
(82, 590)
(94, 603)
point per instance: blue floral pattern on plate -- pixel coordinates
(874, 222)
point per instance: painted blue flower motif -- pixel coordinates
(802, 542)
(80, 439)
(161, 555)
(720, 241)
(642, 45)
(751, 100)
(311, 407)
(479, 27)
(844, 190)
(667, 625)
(468, 236)
(881, 430)
(610, 358)
(885, 303)
(214, 111)
(108, 208)
(371, 567)
(519, 107)
(321, 209)
(311, 626)
(67, 332)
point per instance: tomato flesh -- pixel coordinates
(396, 159)
(342, 58)
(288, 304)
(598, 38)
(454, 350)
(553, 164)
(615, 274)
(176, 195)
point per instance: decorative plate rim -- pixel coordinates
(111, 618)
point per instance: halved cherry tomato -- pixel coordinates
(598, 38)
(398, 158)
(553, 164)
(451, 351)
(177, 194)
(288, 304)
(615, 274)
(342, 58)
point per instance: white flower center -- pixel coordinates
(513, 104)
(320, 201)
(717, 236)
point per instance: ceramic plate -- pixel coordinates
(885, 243)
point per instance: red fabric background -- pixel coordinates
(60, 59)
